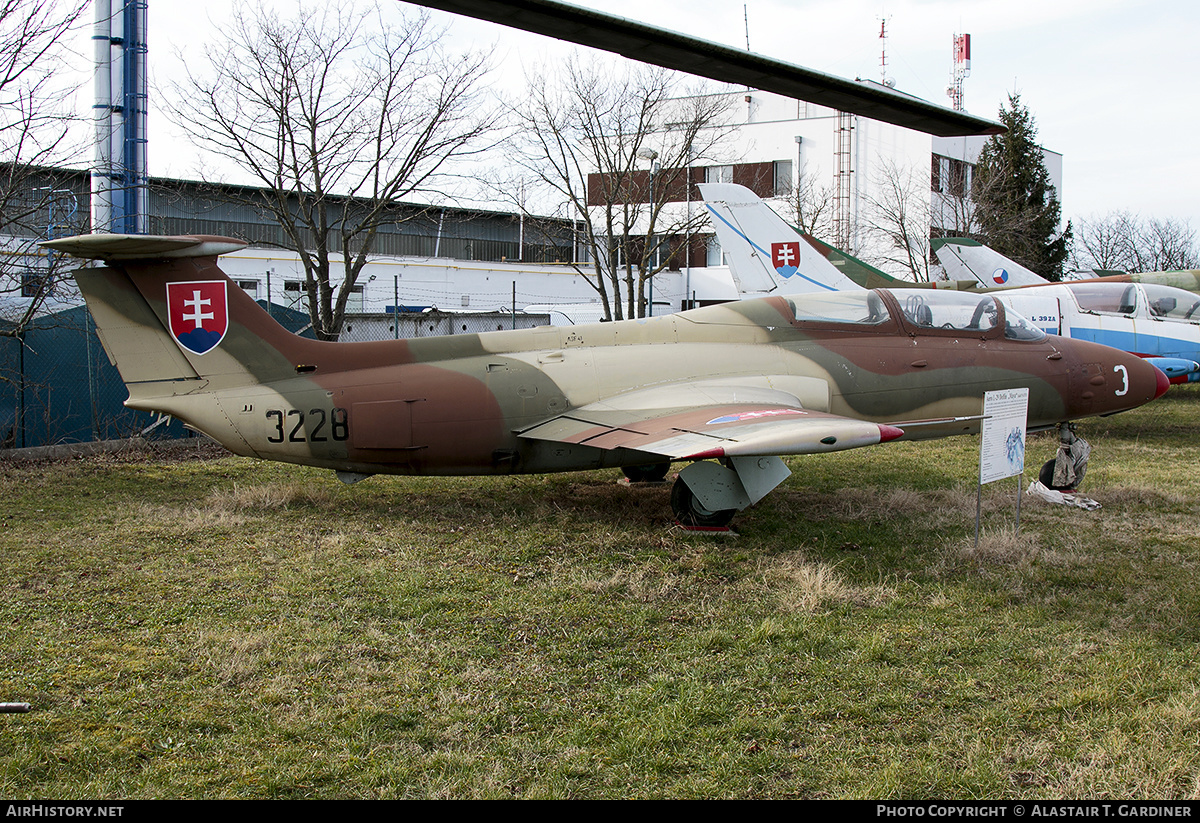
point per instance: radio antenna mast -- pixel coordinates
(883, 75)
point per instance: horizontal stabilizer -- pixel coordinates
(143, 247)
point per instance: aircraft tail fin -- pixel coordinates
(969, 259)
(173, 323)
(765, 253)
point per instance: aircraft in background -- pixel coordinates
(766, 255)
(965, 259)
(1154, 321)
(968, 259)
(727, 389)
(1161, 323)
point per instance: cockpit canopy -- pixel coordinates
(926, 309)
(859, 308)
(1166, 302)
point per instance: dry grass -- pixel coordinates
(800, 585)
(214, 627)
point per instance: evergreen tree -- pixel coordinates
(1015, 204)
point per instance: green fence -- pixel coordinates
(58, 386)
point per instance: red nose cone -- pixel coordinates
(887, 433)
(1163, 384)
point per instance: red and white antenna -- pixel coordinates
(883, 75)
(960, 71)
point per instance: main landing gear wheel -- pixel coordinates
(649, 473)
(691, 513)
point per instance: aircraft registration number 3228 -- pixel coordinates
(313, 426)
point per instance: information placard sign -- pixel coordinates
(1002, 441)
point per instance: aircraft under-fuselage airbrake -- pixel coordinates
(1151, 320)
(727, 389)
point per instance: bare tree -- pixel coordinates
(339, 115)
(1121, 241)
(613, 152)
(809, 206)
(896, 219)
(35, 121)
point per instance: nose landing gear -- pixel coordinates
(1065, 472)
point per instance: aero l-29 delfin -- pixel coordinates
(727, 389)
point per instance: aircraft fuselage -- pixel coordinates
(460, 404)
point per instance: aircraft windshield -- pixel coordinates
(1110, 298)
(1019, 327)
(1172, 303)
(857, 307)
(957, 311)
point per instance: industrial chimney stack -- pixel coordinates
(119, 194)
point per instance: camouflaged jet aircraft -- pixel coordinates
(727, 389)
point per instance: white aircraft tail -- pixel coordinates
(765, 253)
(965, 259)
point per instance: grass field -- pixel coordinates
(191, 625)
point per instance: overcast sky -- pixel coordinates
(1104, 79)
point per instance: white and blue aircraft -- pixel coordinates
(1151, 320)
(971, 260)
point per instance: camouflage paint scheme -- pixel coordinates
(740, 383)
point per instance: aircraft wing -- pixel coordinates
(751, 428)
(672, 50)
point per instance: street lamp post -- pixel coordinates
(652, 156)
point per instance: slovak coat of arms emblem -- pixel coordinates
(785, 257)
(198, 313)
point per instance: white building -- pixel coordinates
(849, 171)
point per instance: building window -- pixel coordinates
(293, 289)
(293, 293)
(960, 174)
(35, 282)
(250, 287)
(783, 178)
(718, 174)
(935, 174)
(713, 252)
(354, 303)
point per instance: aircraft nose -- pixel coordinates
(1104, 380)
(1134, 381)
